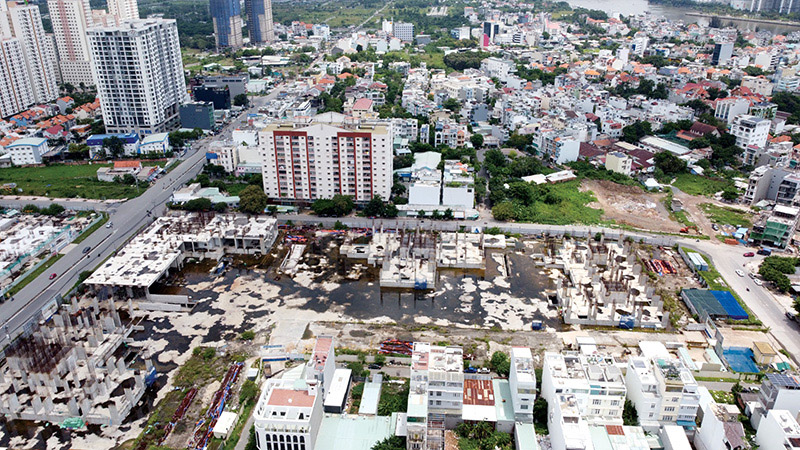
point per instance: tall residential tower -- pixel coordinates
(259, 21)
(227, 17)
(40, 62)
(139, 75)
(71, 19)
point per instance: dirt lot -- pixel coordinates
(630, 205)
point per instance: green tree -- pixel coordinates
(240, 100)
(452, 104)
(380, 359)
(503, 211)
(375, 207)
(391, 443)
(114, 146)
(669, 163)
(500, 363)
(540, 411)
(730, 194)
(632, 133)
(629, 415)
(477, 140)
(198, 204)
(253, 200)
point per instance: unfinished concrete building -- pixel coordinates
(76, 368)
(170, 240)
(603, 284)
(25, 237)
(410, 259)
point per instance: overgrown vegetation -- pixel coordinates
(482, 436)
(394, 398)
(726, 216)
(701, 185)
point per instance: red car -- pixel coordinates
(749, 255)
(52, 275)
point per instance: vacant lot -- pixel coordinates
(631, 205)
(65, 181)
(700, 185)
(727, 216)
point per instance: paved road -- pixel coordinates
(126, 219)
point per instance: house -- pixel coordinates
(720, 429)
(155, 143)
(27, 151)
(64, 103)
(130, 143)
(119, 170)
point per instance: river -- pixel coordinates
(625, 7)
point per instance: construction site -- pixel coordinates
(164, 246)
(410, 259)
(603, 283)
(26, 240)
(80, 368)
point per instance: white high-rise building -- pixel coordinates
(71, 19)
(16, 92)
(311, 158)
(139, 75)
(123, 9)
(40, 63)
(663, 391)
(404, 31)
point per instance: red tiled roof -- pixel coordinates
(126, 164)
(290, 397)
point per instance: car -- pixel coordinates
(374, 366)
(749, 255)
(758, 282)
(109, 225)
(789, 315)
(483, 370)
(86, 250)
(471, 369)
(53, 275)
(739, 272)
(714, 227)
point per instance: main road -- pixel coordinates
(125, 219)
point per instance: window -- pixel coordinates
(596, 402)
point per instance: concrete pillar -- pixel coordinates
(130, 307)
(86, 407)
(13, 363)
(121, 366)
(72, 405)
(129, 395)
(113, 413)
(48, 405)
(92, 365)
(13, 402)
(639, 313)
(637, 269)
(24, 374)
(108, 325)
(92, 341)
(36, 403)
(129, 291)
(649, 291)
(110, 364)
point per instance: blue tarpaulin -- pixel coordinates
(731, 306)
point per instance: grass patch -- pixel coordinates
(236, 433)
(66, 181)
(356, 392)
(33, 275)
(552, 204)
(700, 185)
(726, 216)
(204, 366)
(88, 232)
(723, 397)
(717, 379)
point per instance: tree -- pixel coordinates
(452, 104)
(503, 211)
(198, 204)
(500, 364)
(730, 194)
(114, 146)
(380, 359)
(253, 200)
(391, 443)
(128, 179)
(240, 100)
(476, 140)
(338, 206)
(669, 163)
(520, 141)
(53, 209)
(629, 415)
(632, 133)
(375, 207)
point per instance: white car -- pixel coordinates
(739, 272)
(758, 282)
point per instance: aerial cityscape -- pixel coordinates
(400, 225)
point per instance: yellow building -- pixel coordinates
(763, 353)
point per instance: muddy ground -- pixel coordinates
(631, 205)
